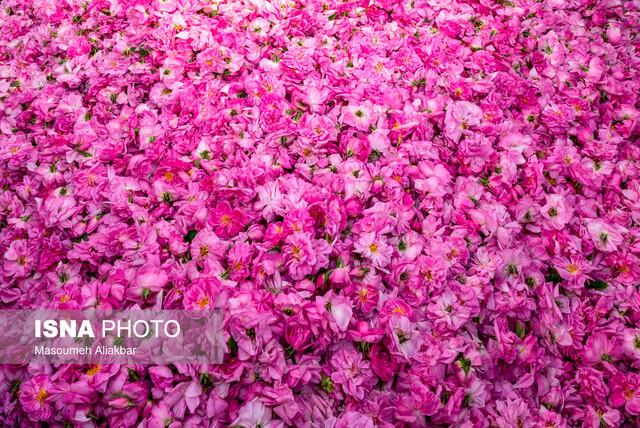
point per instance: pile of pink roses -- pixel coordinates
(411, 213)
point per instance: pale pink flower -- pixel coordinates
(605, 236)
(461, 116)
(351, 372)
(375, 248)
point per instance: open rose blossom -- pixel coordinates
(409, 213)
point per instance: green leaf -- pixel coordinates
(326, 383)
(402, 245)
(364, 347)
(143, 52)
(374, 155)
(603, 97)
(521, 329)
(133, 375)
(15, 388)
(233, 346)
(83, 237)
(205, 381)
(84, 153)
(466, 401)
(553, 276)
(596, 284)
(465, 364)
(189, 237)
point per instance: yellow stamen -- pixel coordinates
(398, 310)
(41, 396)
(225, 220)
(93, 370)
(296, 252)
(203, 302)
(363, 294)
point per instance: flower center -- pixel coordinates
(628, 393)
(398, 310)
(41, 395)
(296, 252)
(363, 293)
(604, 237)
(225, 220)
(93, 370)
(203, 302)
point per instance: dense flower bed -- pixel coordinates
(418, 213)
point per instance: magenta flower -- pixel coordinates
(405, 213)
(149, 279)
(375, 248)
(297, 333)
(207, 245)
(556, 211)
(253, 414)
(604, 236)
(300, 255)
(203, 294)
(351, 372)
(35, 397)
(600, 348)
(227, 222)
(359, 115)
(631, 342)
(338, 310)
(461, 116)
(625, 391)
(18, 259)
